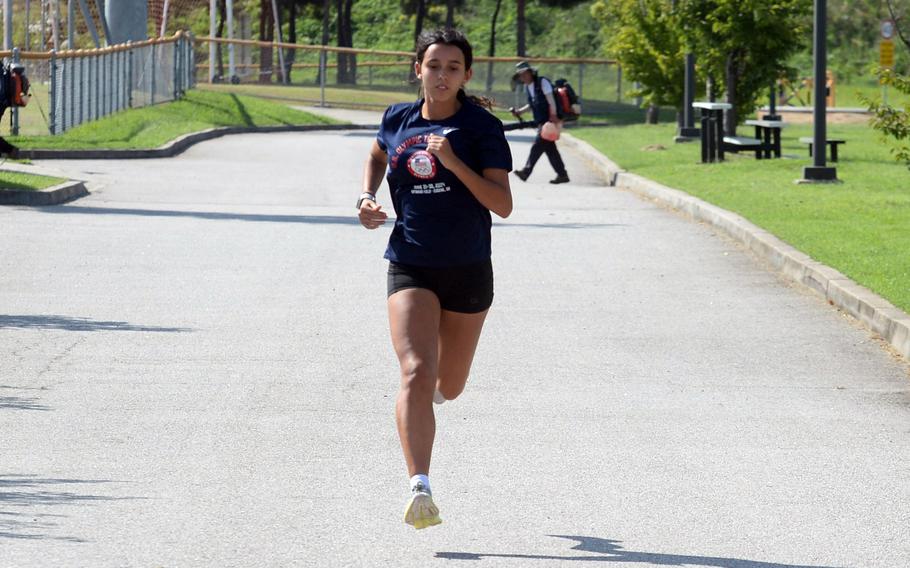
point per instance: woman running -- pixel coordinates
(447, 161)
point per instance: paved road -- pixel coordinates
(195, 371)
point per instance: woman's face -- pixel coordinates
(442, 72)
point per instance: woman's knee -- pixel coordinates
(418, 377)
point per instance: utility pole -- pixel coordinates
(7, 24)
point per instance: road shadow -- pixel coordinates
(24, 500)
(67, 323)
(607, 550)
(21, 403)
(207, 215)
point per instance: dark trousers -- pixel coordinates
(547, 147)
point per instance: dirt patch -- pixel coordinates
(833, 117)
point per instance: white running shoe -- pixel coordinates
(421, 512)
(438, 398)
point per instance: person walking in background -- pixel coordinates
(447, 163)
(542, 104)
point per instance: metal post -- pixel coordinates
(819, 171)
(153, 72)
(96, 71)
(14, 115)
(129, 78)
(52, 94)
(7, 24)
(230, 33)
(82, 86)
(167, 6)
(688, 130)
(212, 27)
(581, 80)
(176, 68)
(55, 33)
(127, 20)
(323, 55)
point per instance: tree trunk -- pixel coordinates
(222, 17)
(522, 29)
(492, 46)
(291, 54)
(732, 76)
(341, 59)
(346, 39)
(418, 21)
(323, 56)
(266, 33)
(450, 14)
(652, 115)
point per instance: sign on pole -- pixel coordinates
(886, 54)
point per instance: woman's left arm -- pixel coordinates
(491, 189)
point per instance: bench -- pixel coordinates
(832, 143)
(742, 143)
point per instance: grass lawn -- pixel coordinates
(860, 227)
(152, 126)
(15, 180)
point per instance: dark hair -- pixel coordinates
(449, 36)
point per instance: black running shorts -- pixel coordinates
(465, 289)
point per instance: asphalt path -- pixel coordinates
(195, 370)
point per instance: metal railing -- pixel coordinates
(85, 85)
(595, 80)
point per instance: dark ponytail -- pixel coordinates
(449, 36)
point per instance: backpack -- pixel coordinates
(14, 86)
(567, 105)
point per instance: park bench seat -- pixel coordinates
(740, 143)
(832, 143)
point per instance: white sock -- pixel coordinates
(438, 398)
(420, 478)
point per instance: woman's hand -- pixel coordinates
(439, 146)
(371, 214)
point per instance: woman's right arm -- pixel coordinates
(371, 214)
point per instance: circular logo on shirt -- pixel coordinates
(422, 165)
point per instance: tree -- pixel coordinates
(450, 14)
(492, 52)
(746, 43)
(646, 39)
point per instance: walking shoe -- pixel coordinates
(522, 174)
(561, 178)
(421, 512)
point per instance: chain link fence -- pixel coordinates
(70, 88)
(373, 78)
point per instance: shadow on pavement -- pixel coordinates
(212, 216)
(79, 324)
(610, 551)
(28, 491)
(21, 403)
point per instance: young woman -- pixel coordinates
(447, 161)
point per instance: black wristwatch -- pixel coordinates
(363, 196)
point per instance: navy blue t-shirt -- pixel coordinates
(439, 221)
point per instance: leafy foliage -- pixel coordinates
(890, 121)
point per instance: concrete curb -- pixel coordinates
(55, 195)
(872, 310)
(179, 145)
